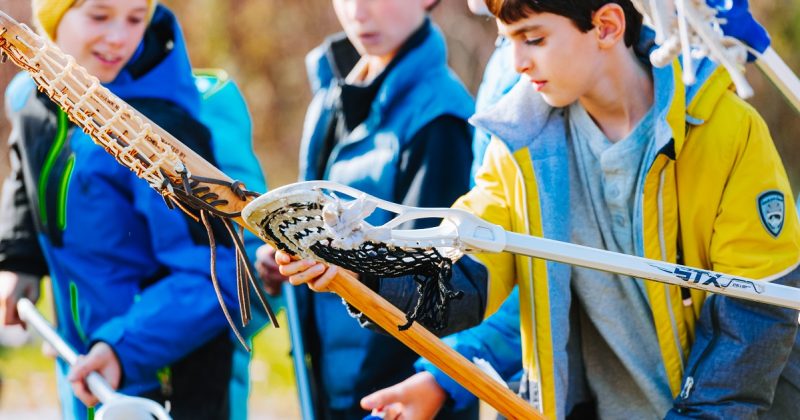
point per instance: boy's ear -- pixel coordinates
(609, 21)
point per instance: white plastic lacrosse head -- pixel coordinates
(124, 407)
(317, 219)
(691, 29)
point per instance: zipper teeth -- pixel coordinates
(526, 220)
(663, 244)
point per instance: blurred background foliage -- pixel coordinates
(262, 44)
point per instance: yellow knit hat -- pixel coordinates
(48, 13)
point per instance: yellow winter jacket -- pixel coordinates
(712, 162)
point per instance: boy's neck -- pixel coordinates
(621, 96)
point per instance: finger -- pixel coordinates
(77, 375)
(9, 309)
(393, 411)
(296, 267)
(308, 275)
(81, 391)
(282, 257)
(321, 284)
(382, 398)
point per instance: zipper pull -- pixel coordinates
(687, 388)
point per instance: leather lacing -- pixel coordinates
(203, 205)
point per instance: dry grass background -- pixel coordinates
(262, 43)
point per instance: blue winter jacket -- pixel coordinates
(418, 89)
(126, 269)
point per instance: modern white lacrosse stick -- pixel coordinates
(115, 406)
(313, 219)
(722, 30)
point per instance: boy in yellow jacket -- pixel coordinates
(597, 148)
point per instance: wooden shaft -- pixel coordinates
(427, 345)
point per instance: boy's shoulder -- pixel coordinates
(18, 92)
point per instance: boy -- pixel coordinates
(388, 117)
(596, 148)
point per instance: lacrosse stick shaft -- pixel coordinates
(298, 353)
(771, 64)
(427, 345)
(738, 287)
(28, 313)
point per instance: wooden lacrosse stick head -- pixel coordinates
(133, 139)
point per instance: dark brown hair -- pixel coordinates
(578, 11)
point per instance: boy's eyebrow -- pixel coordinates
(527, 28)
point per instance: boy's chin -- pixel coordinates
(557, 101)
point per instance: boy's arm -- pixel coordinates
(741, 348)
(486, 279)
(179, 312)
(19, 247)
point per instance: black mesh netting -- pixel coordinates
(292, 226)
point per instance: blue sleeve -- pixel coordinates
(496, 340)
(180, 312)
(741, 349)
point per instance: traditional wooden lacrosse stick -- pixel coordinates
(180, 175)
(187, 181)
(115, 406)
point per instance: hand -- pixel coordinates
(268, 270)
(13, 287)
(418, 397)
(101, 359)
(315, 274)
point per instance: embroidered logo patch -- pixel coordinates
(772, 209)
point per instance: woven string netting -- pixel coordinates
(292, 226)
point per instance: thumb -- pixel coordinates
(382, 398)
(83, 367)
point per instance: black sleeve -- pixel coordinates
(434, 172)
(19, 246)
(434, 167)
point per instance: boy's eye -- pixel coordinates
(534, 41)
(135, 20)
(98, 18)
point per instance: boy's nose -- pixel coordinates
(522, 61)
(116, 34)
(359, 10)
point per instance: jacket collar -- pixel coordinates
(428, 57)
(520, 117)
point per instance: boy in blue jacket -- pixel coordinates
(390, 118)
(128, 287)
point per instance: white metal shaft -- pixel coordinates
(28, 313)
(781, 76)
(739, 287)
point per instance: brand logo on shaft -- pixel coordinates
(709, 278)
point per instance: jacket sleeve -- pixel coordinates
(19, 247)
(180, 312)
(496, 340)
(741, 348)
(485, 278)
